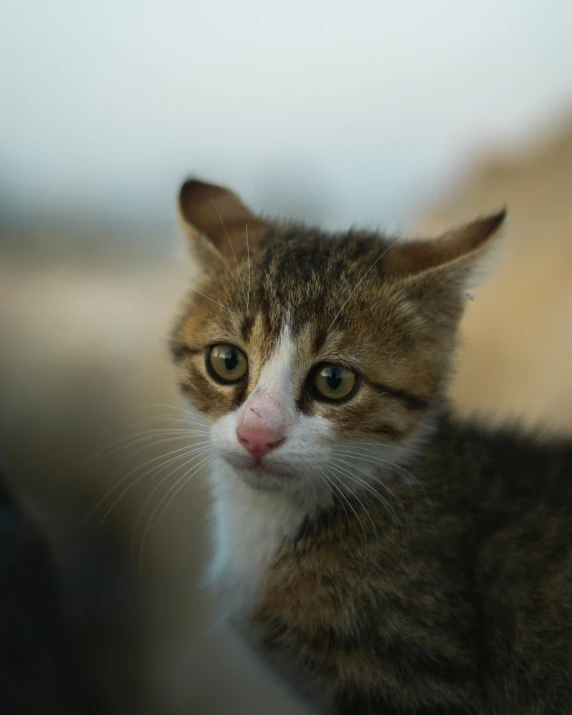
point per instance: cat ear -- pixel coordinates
(216, 222)
(465, 242)
(442, 270)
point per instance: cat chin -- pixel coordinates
(266, 478)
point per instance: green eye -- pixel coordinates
(226, 363)
(332, 382)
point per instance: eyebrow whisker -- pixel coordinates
(230, 244)
(391, 245)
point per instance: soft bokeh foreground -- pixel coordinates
(83, 364)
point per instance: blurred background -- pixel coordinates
(404, 116)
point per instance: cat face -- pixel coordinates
(316, 357)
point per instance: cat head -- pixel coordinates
(310, 352)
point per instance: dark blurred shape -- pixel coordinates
(41, 664)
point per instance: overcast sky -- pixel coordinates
(353, 107)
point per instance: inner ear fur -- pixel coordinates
(465, 242)
(438, 273)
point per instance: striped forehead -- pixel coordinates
(278, 353)
(282, 353)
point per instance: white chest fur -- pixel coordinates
(249, 527)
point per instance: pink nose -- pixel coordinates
(259, 442)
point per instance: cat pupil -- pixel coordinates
(231, 360)
(334, 378)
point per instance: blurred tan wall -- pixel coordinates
(516, 356)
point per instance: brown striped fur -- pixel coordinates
(441, 586)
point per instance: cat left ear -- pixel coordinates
(216, 221)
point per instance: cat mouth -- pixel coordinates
(257, 464)
(261, 472)
(262, 475)
(260, 469)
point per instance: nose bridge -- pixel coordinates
(270, 406)
(264, 412)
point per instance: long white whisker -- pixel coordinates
(118, 484)
(362, 279)
(230, 243)
(248, 252)
(374, 459)
(324, 478)
(177, 408)
(381, 482)
(225, 231)
(339, 466)
(156, 488)
(196, 468)
(346, 466)
(372, 491)
(355, 513)
(343, 496)
(168, 420)
(224, 307)
(384, 464)
(402, 448)
(168, 435)
(160, 467)
(185, 478)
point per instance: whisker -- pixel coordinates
(330, 477)
(361, 280)
(169, 420)
(196, 468)
(372, 521)
(178, 408)
(202, 423)
(154, 491)
(230, 243)
(324, 478)
(169, 435)
(310, 481)
(185, 478)
(402, 448)
(224, 307)
(160, 467)
(409, 480)
(379, 497)
(118, 484)
(365, 559)
(248, 252)
(367, 486)
(375, 459)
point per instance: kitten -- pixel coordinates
(383, 555)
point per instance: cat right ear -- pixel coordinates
(441, 271)
(217, 223)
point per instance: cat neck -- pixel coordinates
(249, 527)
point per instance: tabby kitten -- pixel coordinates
(384, 555)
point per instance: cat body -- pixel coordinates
(448, 604)
(460, 603)
(384, 556)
